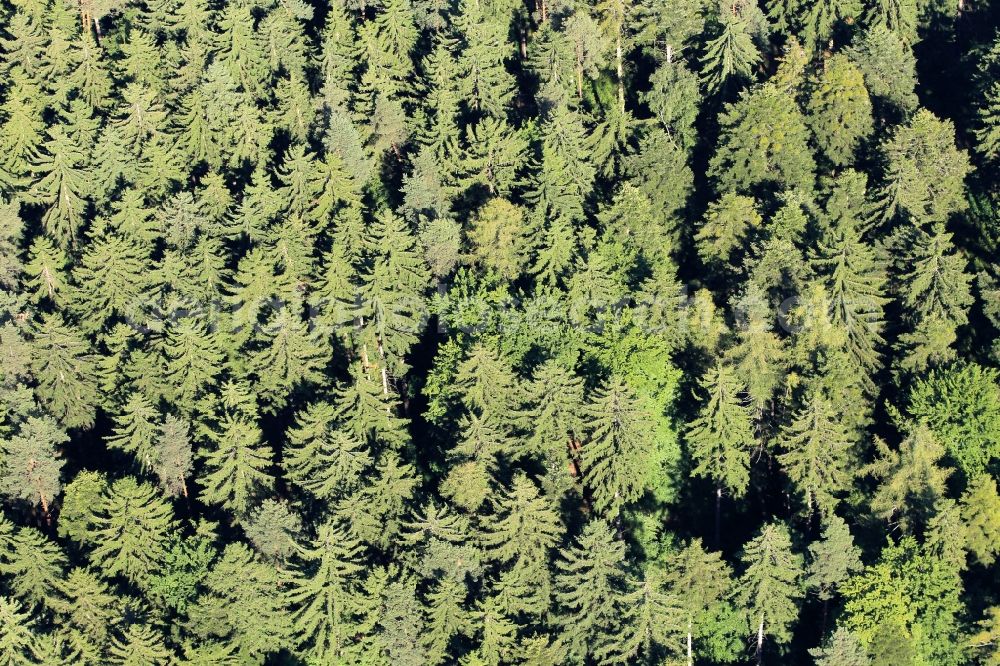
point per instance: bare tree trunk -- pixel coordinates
(689, 647)
(760, 640)
(718, 515)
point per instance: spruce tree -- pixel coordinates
(841, 649)
(324, 591)
(172, 457)
(747, 156)
(244, 604)
(16, 636)
(699, 581)
(816, 453)
(589, 584)
(135, 429)
(721, 437)
(924, 170)
(937, 296)
(733, 52)
(771, 585)
(321, 457)
(31, 464)
(139, 644)
(618, 453)
(911, 478)
(840, 111)
(980, 508)
(62, 185)
(272, 528)
(64, 366)
(237, 461)
(34, 564)
(131, 531)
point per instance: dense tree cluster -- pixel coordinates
(493, 332)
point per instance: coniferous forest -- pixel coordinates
(481, 332)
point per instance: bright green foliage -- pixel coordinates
(840, 112)
(980, 507)
(910, 593)
(367, 408)
(765, 140)
(131, 530)
(484, 84)
(961, 406)
(771, 584)
(185, 566)
(82, 501)
(376, 511)
(721, 438)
